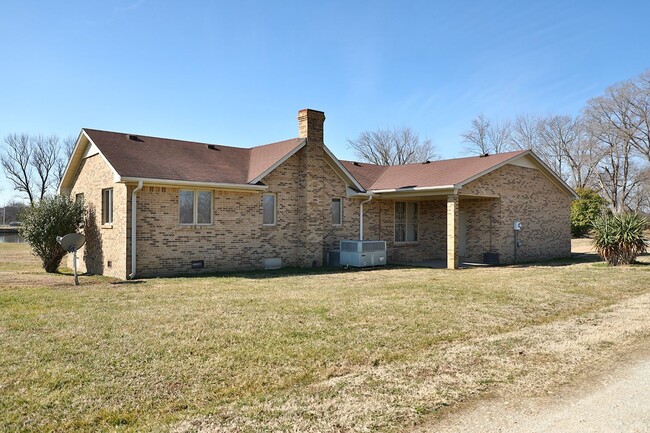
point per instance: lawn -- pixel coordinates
(378, 350)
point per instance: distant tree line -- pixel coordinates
(12, 211)
(606, 148)
(35, 164)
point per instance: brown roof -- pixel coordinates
(432, 174)
(162, 158)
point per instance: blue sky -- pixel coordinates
(237, 73)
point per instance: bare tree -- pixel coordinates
(392, 147)
(66, 150)
(609, 121)
(485, 137)
(499, 137)
(45, 154)
(31, 163)
(637, 97)
(477, 136)
(525, 133)
(17, 163)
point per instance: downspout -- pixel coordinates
(361, 217)
(134, 212)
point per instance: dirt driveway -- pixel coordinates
(617, 401)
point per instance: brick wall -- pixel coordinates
(305, 185)
(105, 249)
(522, 193)
(237, 239)
(528, 195)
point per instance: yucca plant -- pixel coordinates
(619, 239)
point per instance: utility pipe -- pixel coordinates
(361, 217)
(134, 212)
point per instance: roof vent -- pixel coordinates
(212, 147)
(485, 155)
(134, 138)
(427, 162)
(357, 164)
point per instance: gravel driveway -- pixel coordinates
(618, 402)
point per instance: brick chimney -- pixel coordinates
(310, 125)
(312, 204)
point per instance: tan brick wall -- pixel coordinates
(305, 185)
(104, 244)
(523, 193)
(237, 239)
(528, 195)
(379, 224)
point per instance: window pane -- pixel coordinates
(107, 206)
(336, 211)
(400, 232)
(186, 207)
(411, 232)
(269, 209)
(204, 207)
(400, 213)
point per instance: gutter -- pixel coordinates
(134, 212)
(361, 216)
(215, 185)
(416, 188)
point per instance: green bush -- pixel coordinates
(620, 239)
(42, 223)
(585, 210)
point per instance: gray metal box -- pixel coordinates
(362, 254)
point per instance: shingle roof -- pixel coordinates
(141, 156)
(163, 158)
(433, 174)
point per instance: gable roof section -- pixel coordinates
(444, 174)
(140, 156)
(264, 159)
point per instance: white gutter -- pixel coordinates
(361, 217)
(134, 212)
(415, 188)
(215, 185)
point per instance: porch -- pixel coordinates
(436, 230)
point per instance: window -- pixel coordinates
(195, 207)
(79, 198)
(406, 222)
(107, 206)
(268, 209)
(337, 211)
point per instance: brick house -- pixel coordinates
(200, 207)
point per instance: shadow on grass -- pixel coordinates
(260, 274)
(577, 258)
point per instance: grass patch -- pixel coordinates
(278, 351)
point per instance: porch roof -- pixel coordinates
(434, 174)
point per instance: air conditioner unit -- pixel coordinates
(362, 254)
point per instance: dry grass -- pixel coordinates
(333, 351)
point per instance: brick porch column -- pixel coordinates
(452, 231)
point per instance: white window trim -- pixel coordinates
(417, 224)
(275, 209)
(109, 207)
(340, 199)
(195, 208)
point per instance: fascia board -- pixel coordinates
(342, 168)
